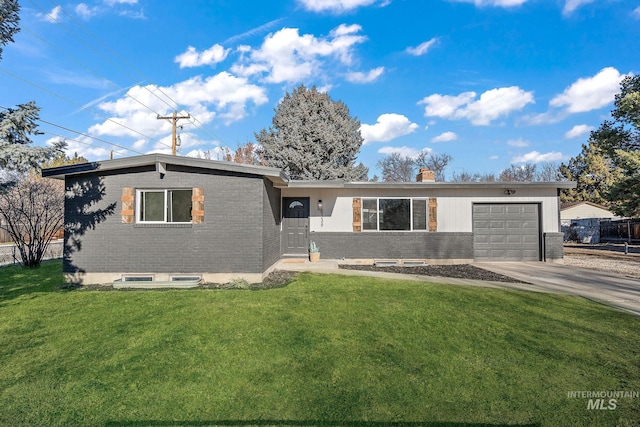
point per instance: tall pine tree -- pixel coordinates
(313, 137)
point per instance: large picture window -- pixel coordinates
(164, 206)
(380, 214)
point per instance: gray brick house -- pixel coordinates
(170, 218)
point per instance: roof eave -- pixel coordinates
(441, 185)
(161, 160)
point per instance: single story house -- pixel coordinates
(582, 210)
(165, 218)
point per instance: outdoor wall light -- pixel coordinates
(509, 192)
(319, 205)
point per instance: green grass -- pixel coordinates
(325, 350)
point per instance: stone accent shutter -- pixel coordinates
(433, 214)
(197, 205)
(357, 214)
(128, 205)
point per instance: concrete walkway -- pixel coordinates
(615, 291)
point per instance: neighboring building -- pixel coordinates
(580, 221)
(159, 217)
(582, 210)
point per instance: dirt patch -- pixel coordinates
(605, 258)
(275, 279)
(457, 271)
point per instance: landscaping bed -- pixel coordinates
(457, 271)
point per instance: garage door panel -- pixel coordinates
(506, 232)
(481, 239)
(514, 239)
(498, 239)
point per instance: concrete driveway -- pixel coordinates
(616, 291)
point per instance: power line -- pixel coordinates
(75, 140)
(130, 67)
(88, 136)
(109, 119)
(78, 133)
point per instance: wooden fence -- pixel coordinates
(623, 230)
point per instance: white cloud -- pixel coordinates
(113, 2)
(590, 93)
(491, 105)
(497, 3)
(571, 5)
(53, 16)
(536, 157)
(578, 130)
(85, 12)
(360, 77)
(193, 58)
(286, 56)
(445, 137)
(222, 96)
(404, 151)
(422, 48)
(387, 127)
(338, 6)
(517, 143)
(636, 12)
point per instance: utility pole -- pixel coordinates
(174, 124)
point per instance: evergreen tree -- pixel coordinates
(9, 20)
(313, 137)
(619, 140)
(594, 174)
(16, 149)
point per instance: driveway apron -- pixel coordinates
(616, 291)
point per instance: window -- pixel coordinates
(394, 214)
(164, 206)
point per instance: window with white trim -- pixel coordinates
(394, 214)
(164, 206)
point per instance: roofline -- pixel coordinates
(585, 202)
(430, 184)
(276, 175)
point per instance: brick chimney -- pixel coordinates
(426, 175)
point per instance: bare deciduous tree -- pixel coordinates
(32, 211)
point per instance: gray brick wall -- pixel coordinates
(271, 219)
(553, 246)
(230, 239)
(395, 245)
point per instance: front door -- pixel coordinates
(295, 225)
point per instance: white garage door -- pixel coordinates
(506, 232)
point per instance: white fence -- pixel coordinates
(9, 254)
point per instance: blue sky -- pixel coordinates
(490, 82)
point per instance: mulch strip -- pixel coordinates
(457, 271)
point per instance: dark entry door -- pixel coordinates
(295, 225)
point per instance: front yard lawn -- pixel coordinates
(325, 350)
